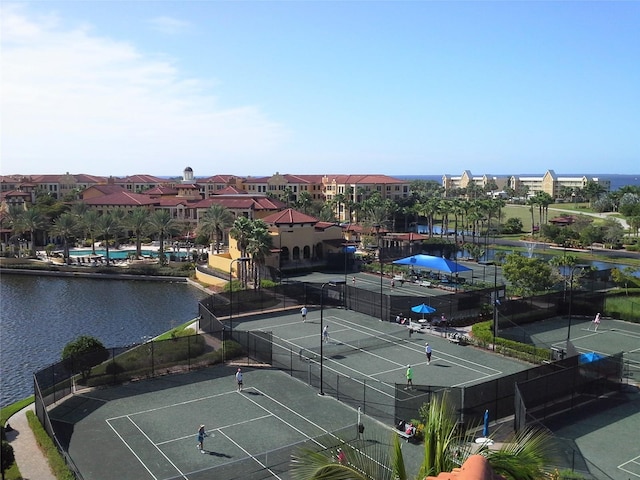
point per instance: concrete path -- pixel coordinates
(30, 459)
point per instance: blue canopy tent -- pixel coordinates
(433, 263)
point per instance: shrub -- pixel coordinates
(83, 353)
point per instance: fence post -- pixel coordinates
(364, 396)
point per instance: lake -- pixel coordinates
(40, 315)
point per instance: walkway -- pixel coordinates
(30, 459)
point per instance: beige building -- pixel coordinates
(467, 178)
(550, 182)
(299, 241)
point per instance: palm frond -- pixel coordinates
(524, 457)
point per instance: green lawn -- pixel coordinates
(623, 307)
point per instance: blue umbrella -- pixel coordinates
(485, 430)
(423, 309)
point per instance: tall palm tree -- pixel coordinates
(161, 223)
(304, 201)
(31, 221)
(138, 221)
(241, 231)
(532, 202)
(11, 218)
(259, 247)
(89, 222)
(213, 222)
(65, 226)
(108, 226)
(79, 209)
(121, 216)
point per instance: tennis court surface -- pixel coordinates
(147, 429)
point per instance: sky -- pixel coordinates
(319, 87)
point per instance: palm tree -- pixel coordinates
(523, 458)
(138, 222)
(11, 218)
(259, 247)
(121, 216)
(304, 201)
(65, 226)
(161, 223)
(108, 226)
(31, 221)
(532, 201)
(213, 222)
(241, 231)
(89, 222)
(79, 209)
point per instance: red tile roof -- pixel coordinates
(241, 202)
(290, 216)
(122, 198)
(230, 191)
(161, 190)
(140, 178)
(365, 179)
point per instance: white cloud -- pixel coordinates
(98, 105)
(169, 25)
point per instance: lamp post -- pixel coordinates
(573, 269)
(239, 259)
(332, 283)
(377, 227)
(495, 304)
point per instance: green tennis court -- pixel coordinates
(147, 430)
(611, 336)
(361, 347)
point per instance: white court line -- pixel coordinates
(281, 419)
(483, 373)
(633, 461)
(151, 442)
(482, 369)
(215, 429)
(208, 397)
(133, 452)
(440, 353)
(312, 423)
(250, 456)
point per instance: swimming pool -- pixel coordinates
(123, 254)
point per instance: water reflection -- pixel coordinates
(40, 315)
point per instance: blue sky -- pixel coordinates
(254, 88)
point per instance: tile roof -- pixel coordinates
(218, 179)
(122, 198)
(365, 179)
(161, 190)
(289, 216)
(240, 202)
(230, 190)
(140, 178)
(107, 189)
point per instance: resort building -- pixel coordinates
(552, 184)
(549, 182)
(482, 182)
